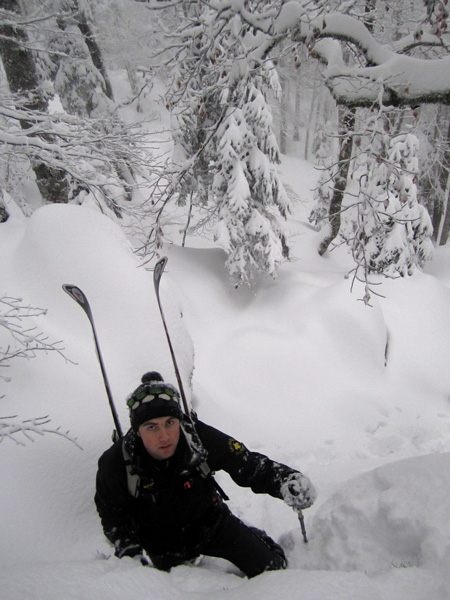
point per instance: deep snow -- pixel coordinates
(298, 368)
(295, 368)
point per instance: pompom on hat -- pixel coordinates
(152, 399)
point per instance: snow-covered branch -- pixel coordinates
(25, 341)
(406, 80)
(61, 138)
(10, 428)
(88, 151)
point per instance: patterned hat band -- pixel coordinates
(150, 393)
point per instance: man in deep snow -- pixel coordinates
(155, 490)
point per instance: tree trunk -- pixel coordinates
(312, 111)
(134, 83)
(284, 108)
(20, 70)
(346, 126)
(298, 95)
(4, 216)
(444, 178)
(17, 59)
(94, 49)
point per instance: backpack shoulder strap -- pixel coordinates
(133, 478)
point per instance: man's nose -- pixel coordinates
(163, 433)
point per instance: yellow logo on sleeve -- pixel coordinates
(236, 446)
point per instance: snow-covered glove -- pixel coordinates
(298, 491)
(127, 547)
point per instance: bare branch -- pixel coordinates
(25, 341)
(9, 428)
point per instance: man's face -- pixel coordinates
(160, 436)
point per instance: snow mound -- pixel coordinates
(392, 516)
(53, 485)
(71, 244)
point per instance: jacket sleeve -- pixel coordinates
(112, 498)
(246, 468)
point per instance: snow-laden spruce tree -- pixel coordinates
(393, 231)
(322, 195)
(225, 150)
(247, 191)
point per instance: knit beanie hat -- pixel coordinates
(153, 398)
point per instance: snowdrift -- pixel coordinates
(299, 369)
(53, 483)
(390, 517)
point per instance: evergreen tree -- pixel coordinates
(225, 147)
(394, 230)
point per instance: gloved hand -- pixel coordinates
(127, 547)
(298, 491)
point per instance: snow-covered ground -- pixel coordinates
(298, 368)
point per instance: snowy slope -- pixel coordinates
(295, 368)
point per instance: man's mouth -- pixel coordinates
(166, 447)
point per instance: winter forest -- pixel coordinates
(292, 158)
(358, 88)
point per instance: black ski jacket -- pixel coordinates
(176, 507)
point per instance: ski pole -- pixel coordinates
(294, 491)
(302, 525)
(80, 298)
(157, 274)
